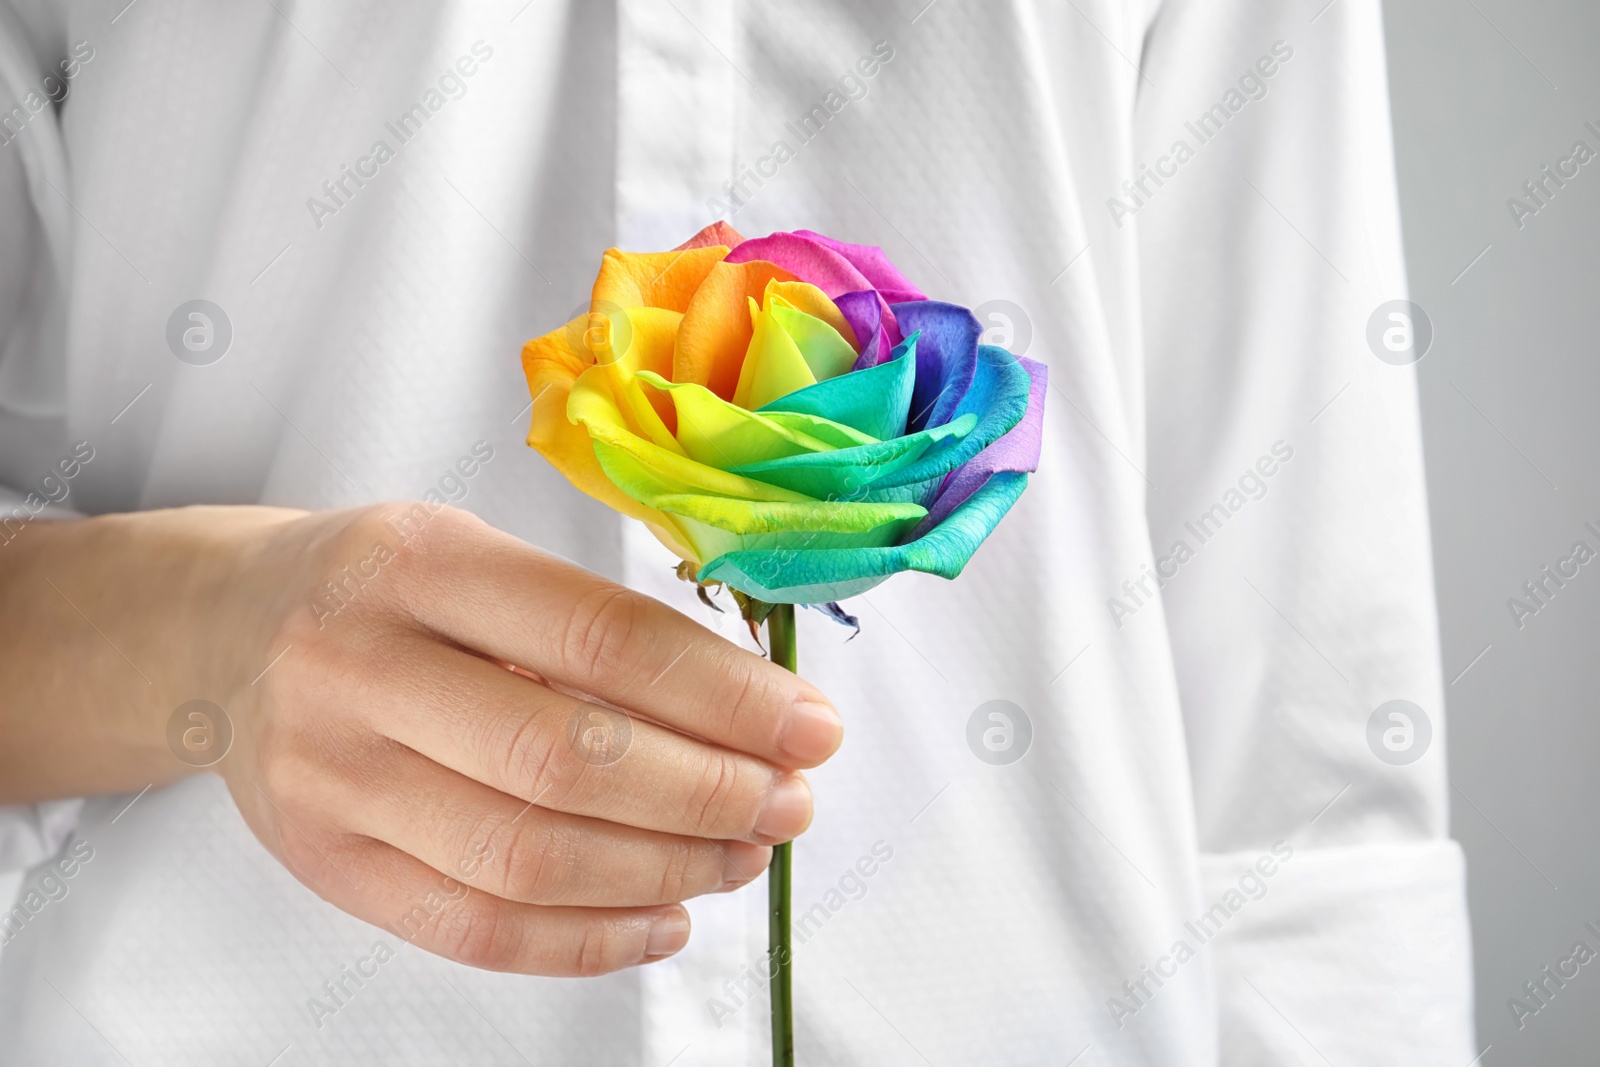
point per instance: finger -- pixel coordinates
(379, 884)
(518, 851)
(514, 603)
(562, 753)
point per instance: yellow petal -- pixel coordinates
(593, 405)
(716, 327)
(639, 339)
(552, 364)
(723, 435)
(814, 302)
(774, 365)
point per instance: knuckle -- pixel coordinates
(712, 803)
(599, 952)
(539, 764)
(537, 866)
(750, 706)
(678, 874)
(600, 632)
(482, 937)
(284, 773)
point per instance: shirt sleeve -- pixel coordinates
(1289, 529)
(35, 216)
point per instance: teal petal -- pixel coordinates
(874, 401)
(818, 576)
(910, 467)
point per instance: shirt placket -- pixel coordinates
(676, 116)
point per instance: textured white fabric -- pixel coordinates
(1286, 987)
(1187, 334)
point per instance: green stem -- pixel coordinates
(781, 638)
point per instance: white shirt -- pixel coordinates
(1197, 329)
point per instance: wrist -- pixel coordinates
(111, 624)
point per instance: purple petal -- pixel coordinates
(865, 316)
(1017, 451)
(874, 324)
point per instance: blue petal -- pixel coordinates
(947, 358)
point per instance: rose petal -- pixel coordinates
(872, 263)
(718, 233)
(874, 401)
(871, 321)
(723, 435)
(806, 260)
(716, 329)
(1017, 451)
(947, 358)
(997, 399)
(652, 279)
(552, 364)
(818, 575)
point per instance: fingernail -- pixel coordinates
(813, 733)
(788, 810)
(668, 935)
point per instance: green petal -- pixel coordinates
(852, 473)
(723, 435)
(826, 353)
(641, 470)
(821, 575)
(716, 525)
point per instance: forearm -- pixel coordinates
(108, 625)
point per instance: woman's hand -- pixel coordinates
(423, 726)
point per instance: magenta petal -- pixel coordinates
(806, 260)
(873, 264)
(1018, 450)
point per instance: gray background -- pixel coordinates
(1485, 92)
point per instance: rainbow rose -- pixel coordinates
(789, 414)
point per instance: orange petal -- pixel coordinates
(716, 328)
(652, 279)
(718, 233)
